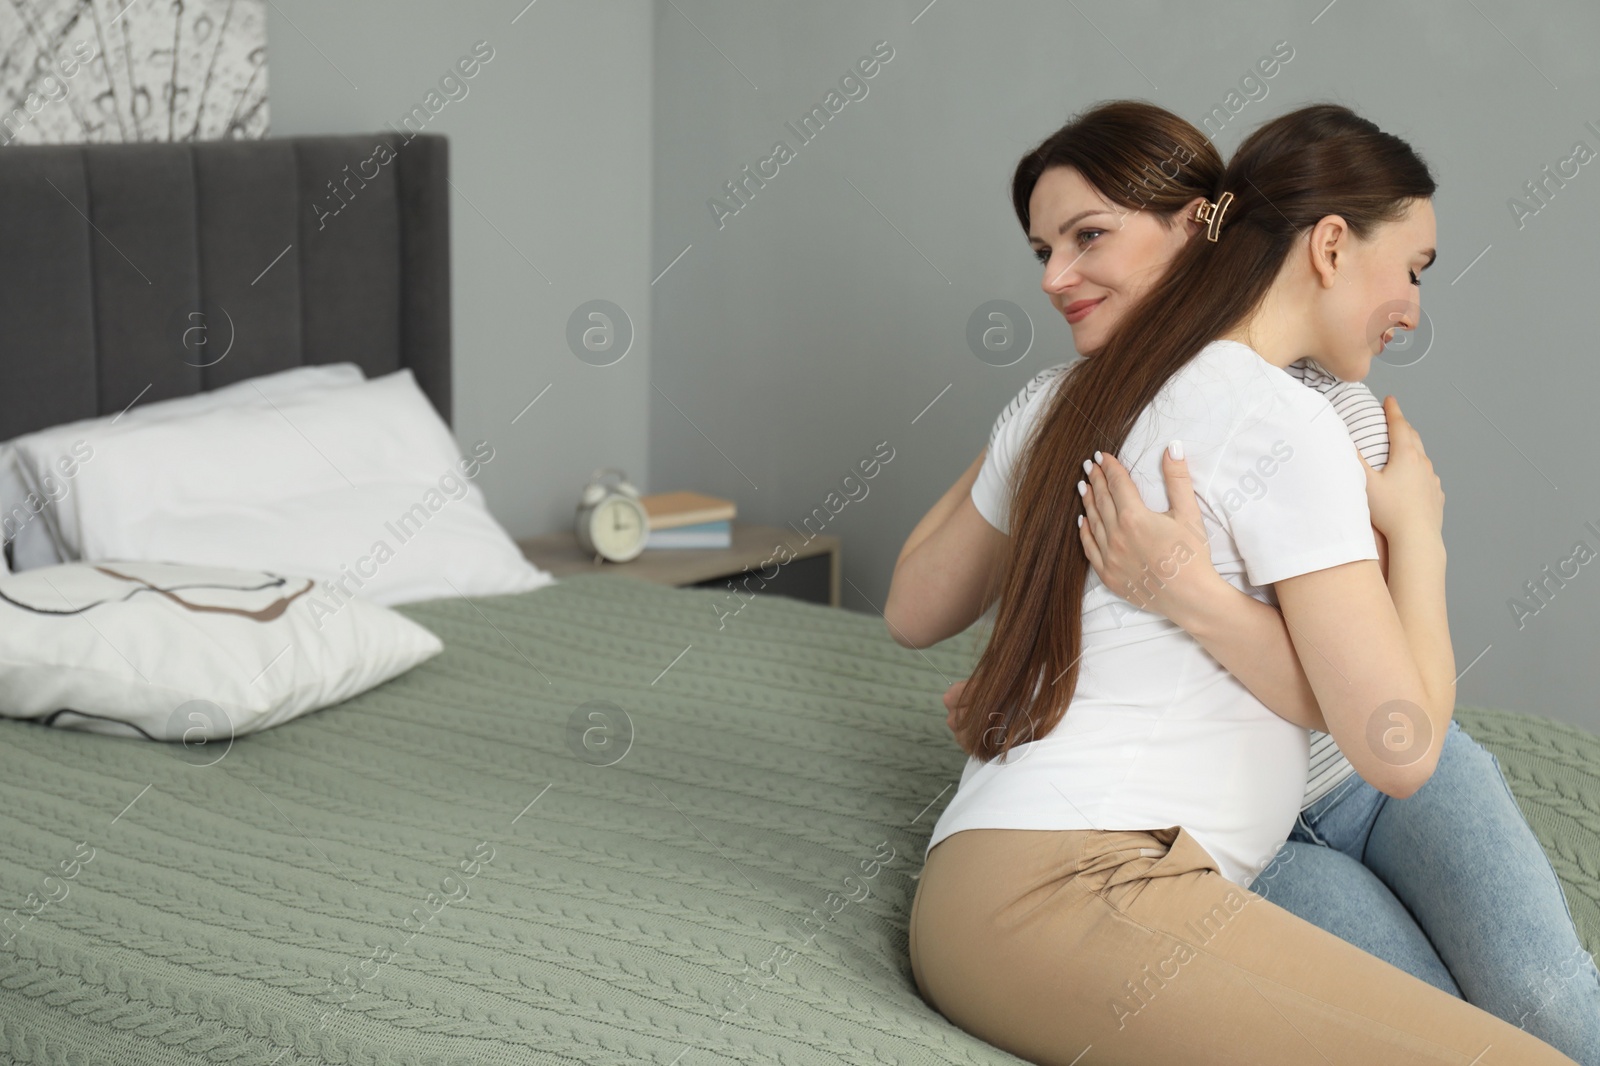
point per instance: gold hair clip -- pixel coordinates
(1211, 214)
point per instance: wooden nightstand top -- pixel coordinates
(754, 547)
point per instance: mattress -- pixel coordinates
(611, 823)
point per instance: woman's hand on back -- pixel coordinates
(952, 700)
(1405, 497)
(1156, 560)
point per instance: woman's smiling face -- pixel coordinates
(1098, 256)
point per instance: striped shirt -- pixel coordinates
(1364, 419)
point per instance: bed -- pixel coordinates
(605, 825)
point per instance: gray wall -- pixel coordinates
(831, 310)
(550, 158)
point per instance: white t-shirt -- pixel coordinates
(1363, 417)
(1158, 733)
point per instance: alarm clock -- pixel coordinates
(612, 523)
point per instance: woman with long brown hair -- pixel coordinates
(1124, 786)
(1449, 885)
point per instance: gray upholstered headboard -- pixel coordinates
(125, 268)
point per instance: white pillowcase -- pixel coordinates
(27, 522)
(39, 467)
(177, 652)
(360, 487)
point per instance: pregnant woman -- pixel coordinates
(1449, 884)
(1082, 898)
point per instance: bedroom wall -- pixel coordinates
(830, 312)
(825, 322)
(550, 158)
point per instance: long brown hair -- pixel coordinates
(1287, 175)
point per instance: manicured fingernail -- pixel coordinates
(1083, 489)
(1097, 457)
(1175, 449)
(1080, 521)
(1088, 467)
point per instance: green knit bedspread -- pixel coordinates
(613, 823)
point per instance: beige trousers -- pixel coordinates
(1094, 947)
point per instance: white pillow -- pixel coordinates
(39, 467)
(22, 523)
(361, 487)
(178, 652)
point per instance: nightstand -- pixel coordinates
(812, 574)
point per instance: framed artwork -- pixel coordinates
(76, 71)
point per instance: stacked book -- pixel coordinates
(688, 520)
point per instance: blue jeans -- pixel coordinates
(1451, 886)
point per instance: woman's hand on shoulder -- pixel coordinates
(1156, 560)
(1405, 497)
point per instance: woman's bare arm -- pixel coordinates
(1390, 705)
(1382, 667)
(942, 578)
(1379, 658)
(943, 509)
